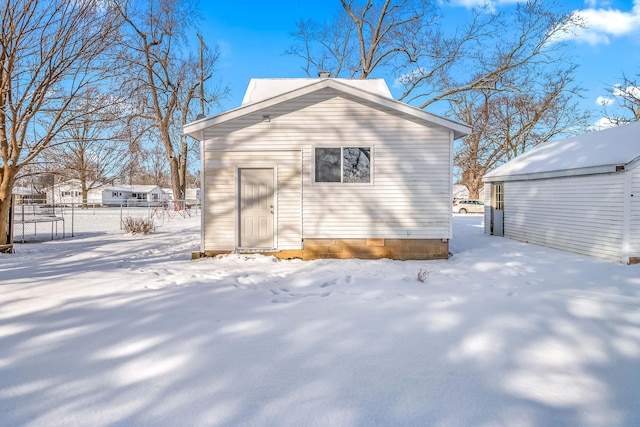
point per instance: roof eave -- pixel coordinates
(194, 129)
(563, 173)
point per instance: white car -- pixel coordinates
(468, 206)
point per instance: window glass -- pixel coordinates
(348, 164)
(328, 164)
(356, 164)
(498, 189)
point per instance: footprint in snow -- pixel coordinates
(296, 297)
(333, 282)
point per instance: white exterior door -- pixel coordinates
(497, 209)
(256, 208)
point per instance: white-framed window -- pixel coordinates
(499, 196)
(342, 164)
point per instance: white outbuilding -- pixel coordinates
(326, 168)
(580, 194)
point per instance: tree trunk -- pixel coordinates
(175, 182)
(473, 182)
(474, 188)
(183, 167)
(6, 190)
(85, 192)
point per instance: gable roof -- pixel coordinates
(261, 89)
(260, 97)
(593, 152)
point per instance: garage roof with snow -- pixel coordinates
(595, 152)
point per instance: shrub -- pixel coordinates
(422, 274)
(137, 225)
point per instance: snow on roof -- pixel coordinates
(261, 89)
(132, 188)
(23, 191)
(606, 148)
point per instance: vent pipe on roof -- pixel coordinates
(324, 74)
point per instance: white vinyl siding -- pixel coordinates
(220, 197)
(409, 197)
(581, 214)
(410, 191)
(487, 208)
(634, 223)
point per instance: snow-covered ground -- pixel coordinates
(64, 221)
(112, 329)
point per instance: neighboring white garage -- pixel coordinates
(579, 194)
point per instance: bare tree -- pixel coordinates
(369, 35)
(51, 51)
(96, 147)
(482, 71)
(508, 123)
(410, 40)
(187, 111)
(153, 169)
(162, 79)
(625, 101)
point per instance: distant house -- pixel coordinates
(192, 196)
(326, 168)
(70, 193)
(580, 194)
(24, 195)
(131, 195)
(460, 192)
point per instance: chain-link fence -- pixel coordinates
(36, 222)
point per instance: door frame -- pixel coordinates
(497, 206)
(238, 212)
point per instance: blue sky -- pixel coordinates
(253, 36)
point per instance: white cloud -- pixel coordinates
(617, 91)
(604, 23)
(409, 78)
(604, 123)
(604, 101)
(628, 92)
